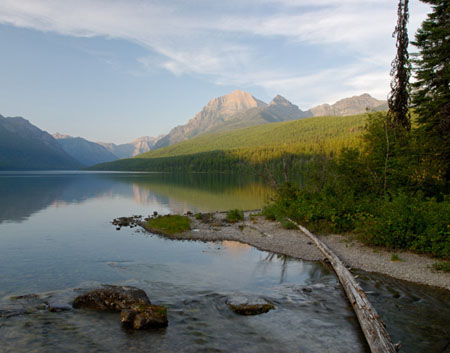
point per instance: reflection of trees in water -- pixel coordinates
(284, 264)
(315, 272)
(199, 192)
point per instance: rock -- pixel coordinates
(111, 298)
(249, 306)
(59, 307)
(206, 217)
(126, 221)
(144, 316)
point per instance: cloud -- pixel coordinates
(230, 42)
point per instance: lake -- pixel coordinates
(56, 239)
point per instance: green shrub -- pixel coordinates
(235, 215)
(399, 221)
(395, 257)
(409, 222)
(443, 266)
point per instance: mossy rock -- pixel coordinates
(144, 316)
(111, 298)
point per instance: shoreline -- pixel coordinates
(270, 236)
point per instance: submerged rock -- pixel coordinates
(249, 306)
(111, 298)
(11, 313)
(144, 316)
(59, 307)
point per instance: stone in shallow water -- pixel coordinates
(111, 298)
(144, 316)
(56, 307)
(243, 305)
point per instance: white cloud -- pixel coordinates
(224, 44)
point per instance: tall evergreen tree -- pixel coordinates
(431, 95)
(398, 100)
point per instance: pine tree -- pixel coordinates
(431, 95)
(398, 100)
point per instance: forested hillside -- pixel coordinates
(235, 150)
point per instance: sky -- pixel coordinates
(115, 70)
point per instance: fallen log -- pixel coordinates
(371, 323)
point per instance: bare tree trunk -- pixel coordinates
(371, 323)
(386, 159)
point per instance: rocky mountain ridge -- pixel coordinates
(350, 106)
(235, 110)
(240, 109)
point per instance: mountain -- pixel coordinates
(279, 109)
(350, 106)
(126, 150)
(215, 113)
(86, 152)
(24, 146)
(232, 111)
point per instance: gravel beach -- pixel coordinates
(270, 236)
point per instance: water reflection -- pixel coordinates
(23, 194)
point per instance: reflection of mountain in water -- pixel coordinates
(23, 194)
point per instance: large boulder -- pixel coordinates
(144, 316)
(111, 298)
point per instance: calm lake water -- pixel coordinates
(56, 240)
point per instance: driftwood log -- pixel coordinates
(371, 323)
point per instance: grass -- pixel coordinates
(169, 224)
(235, 215)
(395, 257)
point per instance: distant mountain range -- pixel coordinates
(90, 153)
(240, 109)
(350, 106)
(137, 146)
(24, 146)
